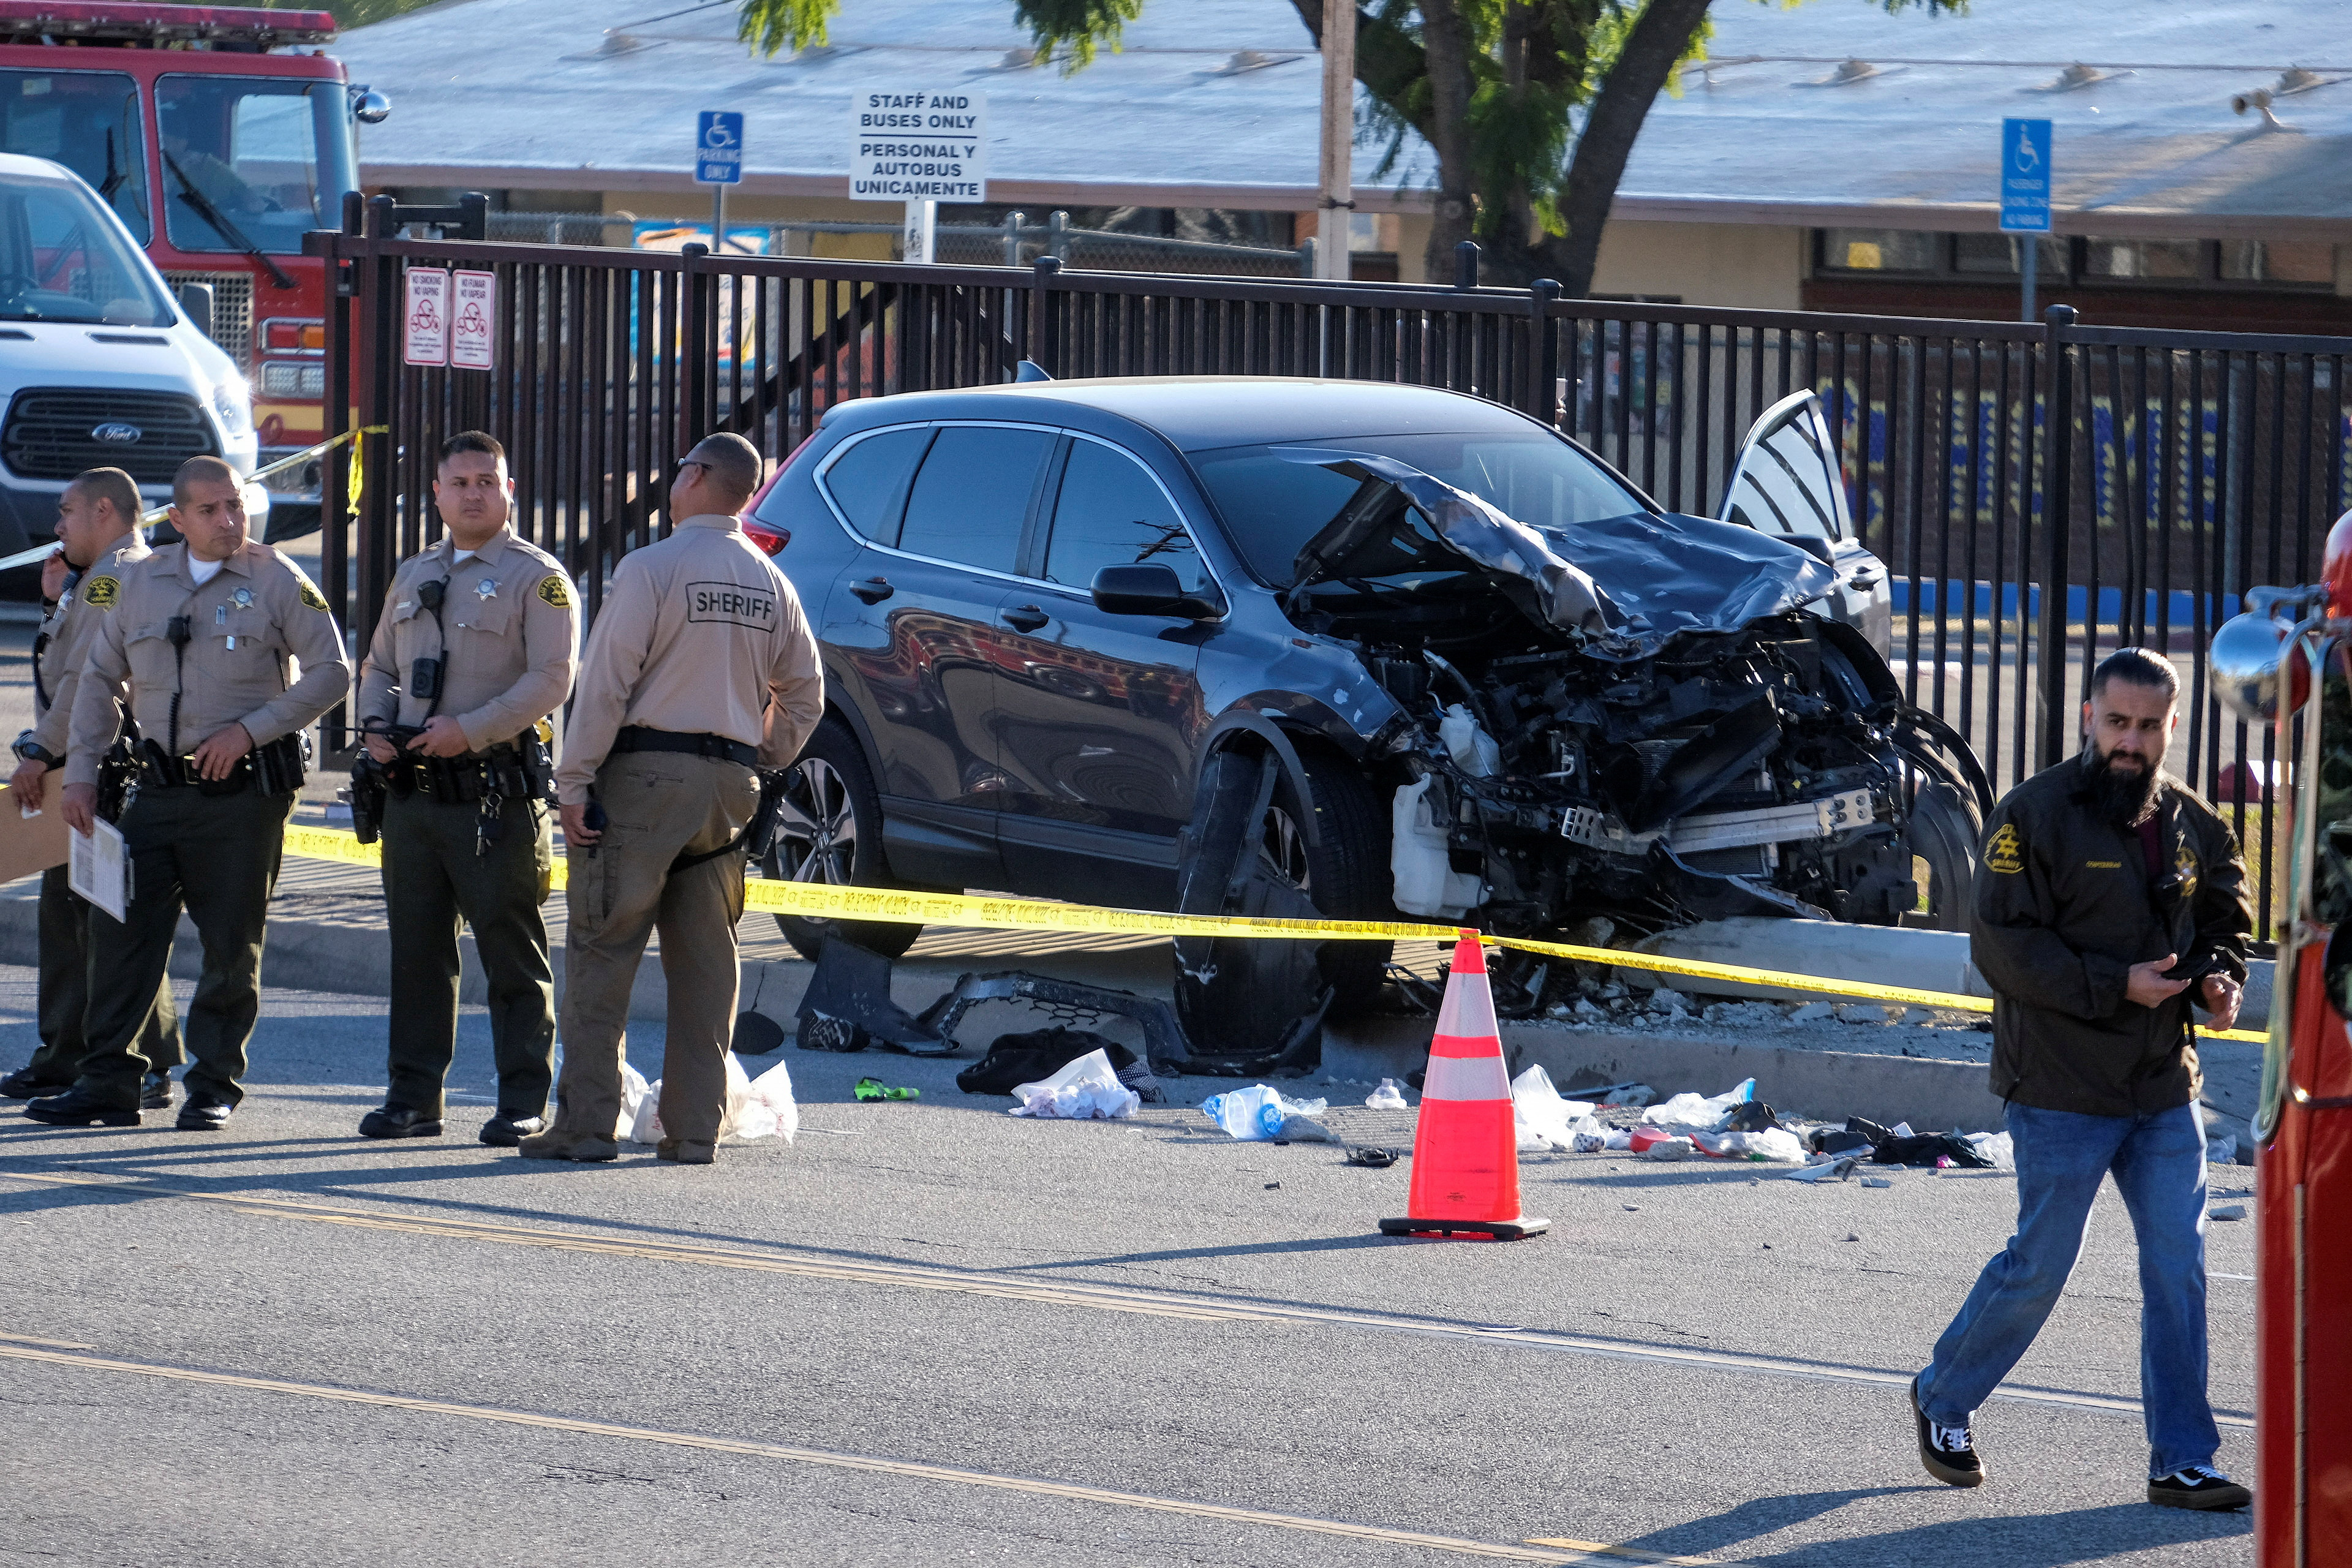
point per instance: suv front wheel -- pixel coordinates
(830, 831)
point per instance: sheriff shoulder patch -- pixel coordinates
(555, 590)
(101, 592)
(2006, 852)
(313, 597)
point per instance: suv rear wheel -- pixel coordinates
(830, 831)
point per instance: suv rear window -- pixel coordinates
(972, 495)
(869, 481)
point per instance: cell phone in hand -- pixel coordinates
(2196, 967)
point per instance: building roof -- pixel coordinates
(1214, 102)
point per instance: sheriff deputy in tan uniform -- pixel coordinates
(210, 634)
(98, 532)
(700, 666)
(474, 649)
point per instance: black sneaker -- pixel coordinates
(2198, 1486)
(1951, 1452)
(398, 1120)
(508, 1128)
(155, 1091)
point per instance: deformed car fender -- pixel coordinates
(1243, 726)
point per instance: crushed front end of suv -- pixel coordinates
(1403, 654)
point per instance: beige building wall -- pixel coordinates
(1739, 266)
(1750, 267)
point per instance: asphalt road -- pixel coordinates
(933, 1332)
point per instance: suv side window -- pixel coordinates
(972, 495)
(869, 481)
(1111, 512)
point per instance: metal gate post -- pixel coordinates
(380, 303)
(334, 468)
(1543, 360)
(698, 365)
(1045, 320)
(2058, 523)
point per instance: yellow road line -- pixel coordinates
(820, 901)
(1102, 1298)
(1551, 1550)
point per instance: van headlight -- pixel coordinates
(235, 406)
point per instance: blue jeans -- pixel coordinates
(2159, 1162)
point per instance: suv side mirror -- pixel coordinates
(1149, 588)
(196, 300)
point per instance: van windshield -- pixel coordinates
(252, 163)
(62, 260)
(88, 121)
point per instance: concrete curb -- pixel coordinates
(1891, 955)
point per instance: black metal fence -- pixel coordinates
(2041, 493)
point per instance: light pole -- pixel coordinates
(1338, 202)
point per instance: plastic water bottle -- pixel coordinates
(1389, 1095)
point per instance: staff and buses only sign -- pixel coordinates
(917, 145)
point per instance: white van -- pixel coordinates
(99, 366)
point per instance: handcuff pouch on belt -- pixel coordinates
(522, 768)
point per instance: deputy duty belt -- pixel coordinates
(637, 738)
(275, 767)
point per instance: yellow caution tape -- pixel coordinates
(819, 901)
(163, 513)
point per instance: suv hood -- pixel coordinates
(1626, 584)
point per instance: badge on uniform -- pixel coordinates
(103, 593)
(487, 589)
(242, 598)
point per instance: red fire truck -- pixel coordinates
(219, 136)
(2262, 665)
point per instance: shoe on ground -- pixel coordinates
(155, 1091)
(203, 1113)
(22, 1085)
(398, 1120)
(2198, 1486)
(1949, 1452)
(75, 1109)
(685, 1153)
(509, 1128)
(562, 1143)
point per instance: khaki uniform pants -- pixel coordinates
(217, 856)
(432, 880)
(65, 992)
(658, 806)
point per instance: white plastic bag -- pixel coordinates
(1694, 1111)
(1540, 1116)
(1085, 1090)
(1996, 1147)
(1256, 1113)
(1389, 1095)
(767, 1109)
(635, 1092)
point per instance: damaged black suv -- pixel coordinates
(1278, 645)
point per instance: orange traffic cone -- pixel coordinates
(1465, 1152)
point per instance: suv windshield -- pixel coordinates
(1272, 507)
(61, 261)
(88, 121)
(252, 163)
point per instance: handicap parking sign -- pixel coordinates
(719, 148)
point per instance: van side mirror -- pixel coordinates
(1150, 588)
(197, 304)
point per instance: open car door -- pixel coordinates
(1787, 483)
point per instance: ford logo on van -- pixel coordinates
(116, 433)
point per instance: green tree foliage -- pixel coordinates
(1531, 107)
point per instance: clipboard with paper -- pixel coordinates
(99, 868)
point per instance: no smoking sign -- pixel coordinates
(452, 319)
